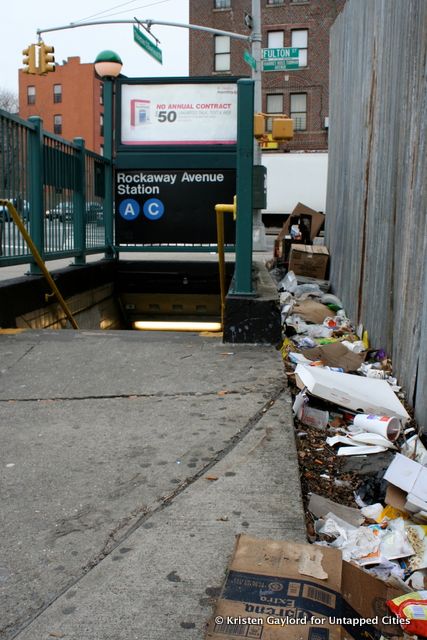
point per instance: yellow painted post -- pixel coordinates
(220, 209)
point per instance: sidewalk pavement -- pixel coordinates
(129, 463)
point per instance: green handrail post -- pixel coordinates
(79, 204)
(35, 143)
(245, 149)
(108, 154)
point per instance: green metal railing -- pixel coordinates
(57, 187)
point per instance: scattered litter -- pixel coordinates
(355, 347)
(289, 283)
(314, 579)
(372, 490)
(10, 465)
(308, 290)
(374, 439)
(332, 441)
(212, 478)
(411, 477)
(411, 609)
(329, 298)
(309, 260)
(320, 506)
(373, 511)
(335, 355)
(387, 427)
(413, 448)
(298, 358)
(348, 406)
(360, 450)
(353, 392)
(312, 311)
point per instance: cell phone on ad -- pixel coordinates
(139, 112)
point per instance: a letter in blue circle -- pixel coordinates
(153, 209)
(129, 209)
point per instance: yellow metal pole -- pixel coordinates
(37, 257)
(220, 209)
(221, 258)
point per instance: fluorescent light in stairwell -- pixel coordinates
(163, 325)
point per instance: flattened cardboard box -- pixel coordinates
(278, 590)
(317, 221)
(309, 260)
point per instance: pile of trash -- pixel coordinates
(349, 407)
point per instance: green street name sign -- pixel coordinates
(146, 44)
(280, 59)
(249, 59)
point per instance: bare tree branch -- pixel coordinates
(9, 101)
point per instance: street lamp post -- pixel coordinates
(259, 239)
(108, 66)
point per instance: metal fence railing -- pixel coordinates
(58, 188)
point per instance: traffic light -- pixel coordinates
(29, 59)
(283, 128)
(259, 125)
(46, 58)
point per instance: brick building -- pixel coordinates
(69, 101)
(303, 94)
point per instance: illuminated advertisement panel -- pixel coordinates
(179, 114)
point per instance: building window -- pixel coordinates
(275, 39)
(101, 124)
(57, 124)
(101, 93)
(57, 92)
(222, 4)
(222, 53)
(299, 1)
(31, 95)
(101, 149)
(299, 111)
(275, 1)
(274, 104)
(300, 40)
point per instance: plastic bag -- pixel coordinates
(411, 610)
(311, 289)
(395, 543)
(329, 298)
(289, 282)
(297, 323)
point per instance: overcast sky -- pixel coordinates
(20, 21)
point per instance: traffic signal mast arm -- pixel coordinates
(149, 23)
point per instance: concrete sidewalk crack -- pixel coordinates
(133, 396)
(112, 541)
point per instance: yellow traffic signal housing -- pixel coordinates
(46, 58)
(29, 59)
(259, 125)
(283, 129)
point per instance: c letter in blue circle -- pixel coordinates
(153, 209)
(129, 209)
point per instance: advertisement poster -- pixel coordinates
(179, 114)
(175, 206)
